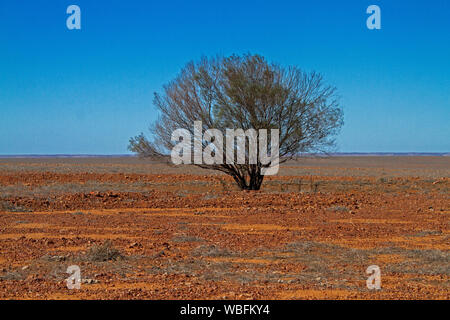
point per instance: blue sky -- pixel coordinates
(88, 91)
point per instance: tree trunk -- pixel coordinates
(254, 182)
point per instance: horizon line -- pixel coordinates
(120, 155)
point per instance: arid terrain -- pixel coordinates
(142, 230)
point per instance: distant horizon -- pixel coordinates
(4, 156)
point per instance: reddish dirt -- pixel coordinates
(194, 236)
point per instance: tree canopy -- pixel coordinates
(245, 92)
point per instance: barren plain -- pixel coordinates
(145, 230)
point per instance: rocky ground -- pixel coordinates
(149, 231)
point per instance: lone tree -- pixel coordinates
(245, 92)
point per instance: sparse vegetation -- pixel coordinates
(104, 252)
(184, 238)
(6, 206)
(211, 242)
(338, 209)
(211, 251)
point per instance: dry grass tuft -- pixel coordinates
(104, 252)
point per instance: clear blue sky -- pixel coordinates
(87, 91)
